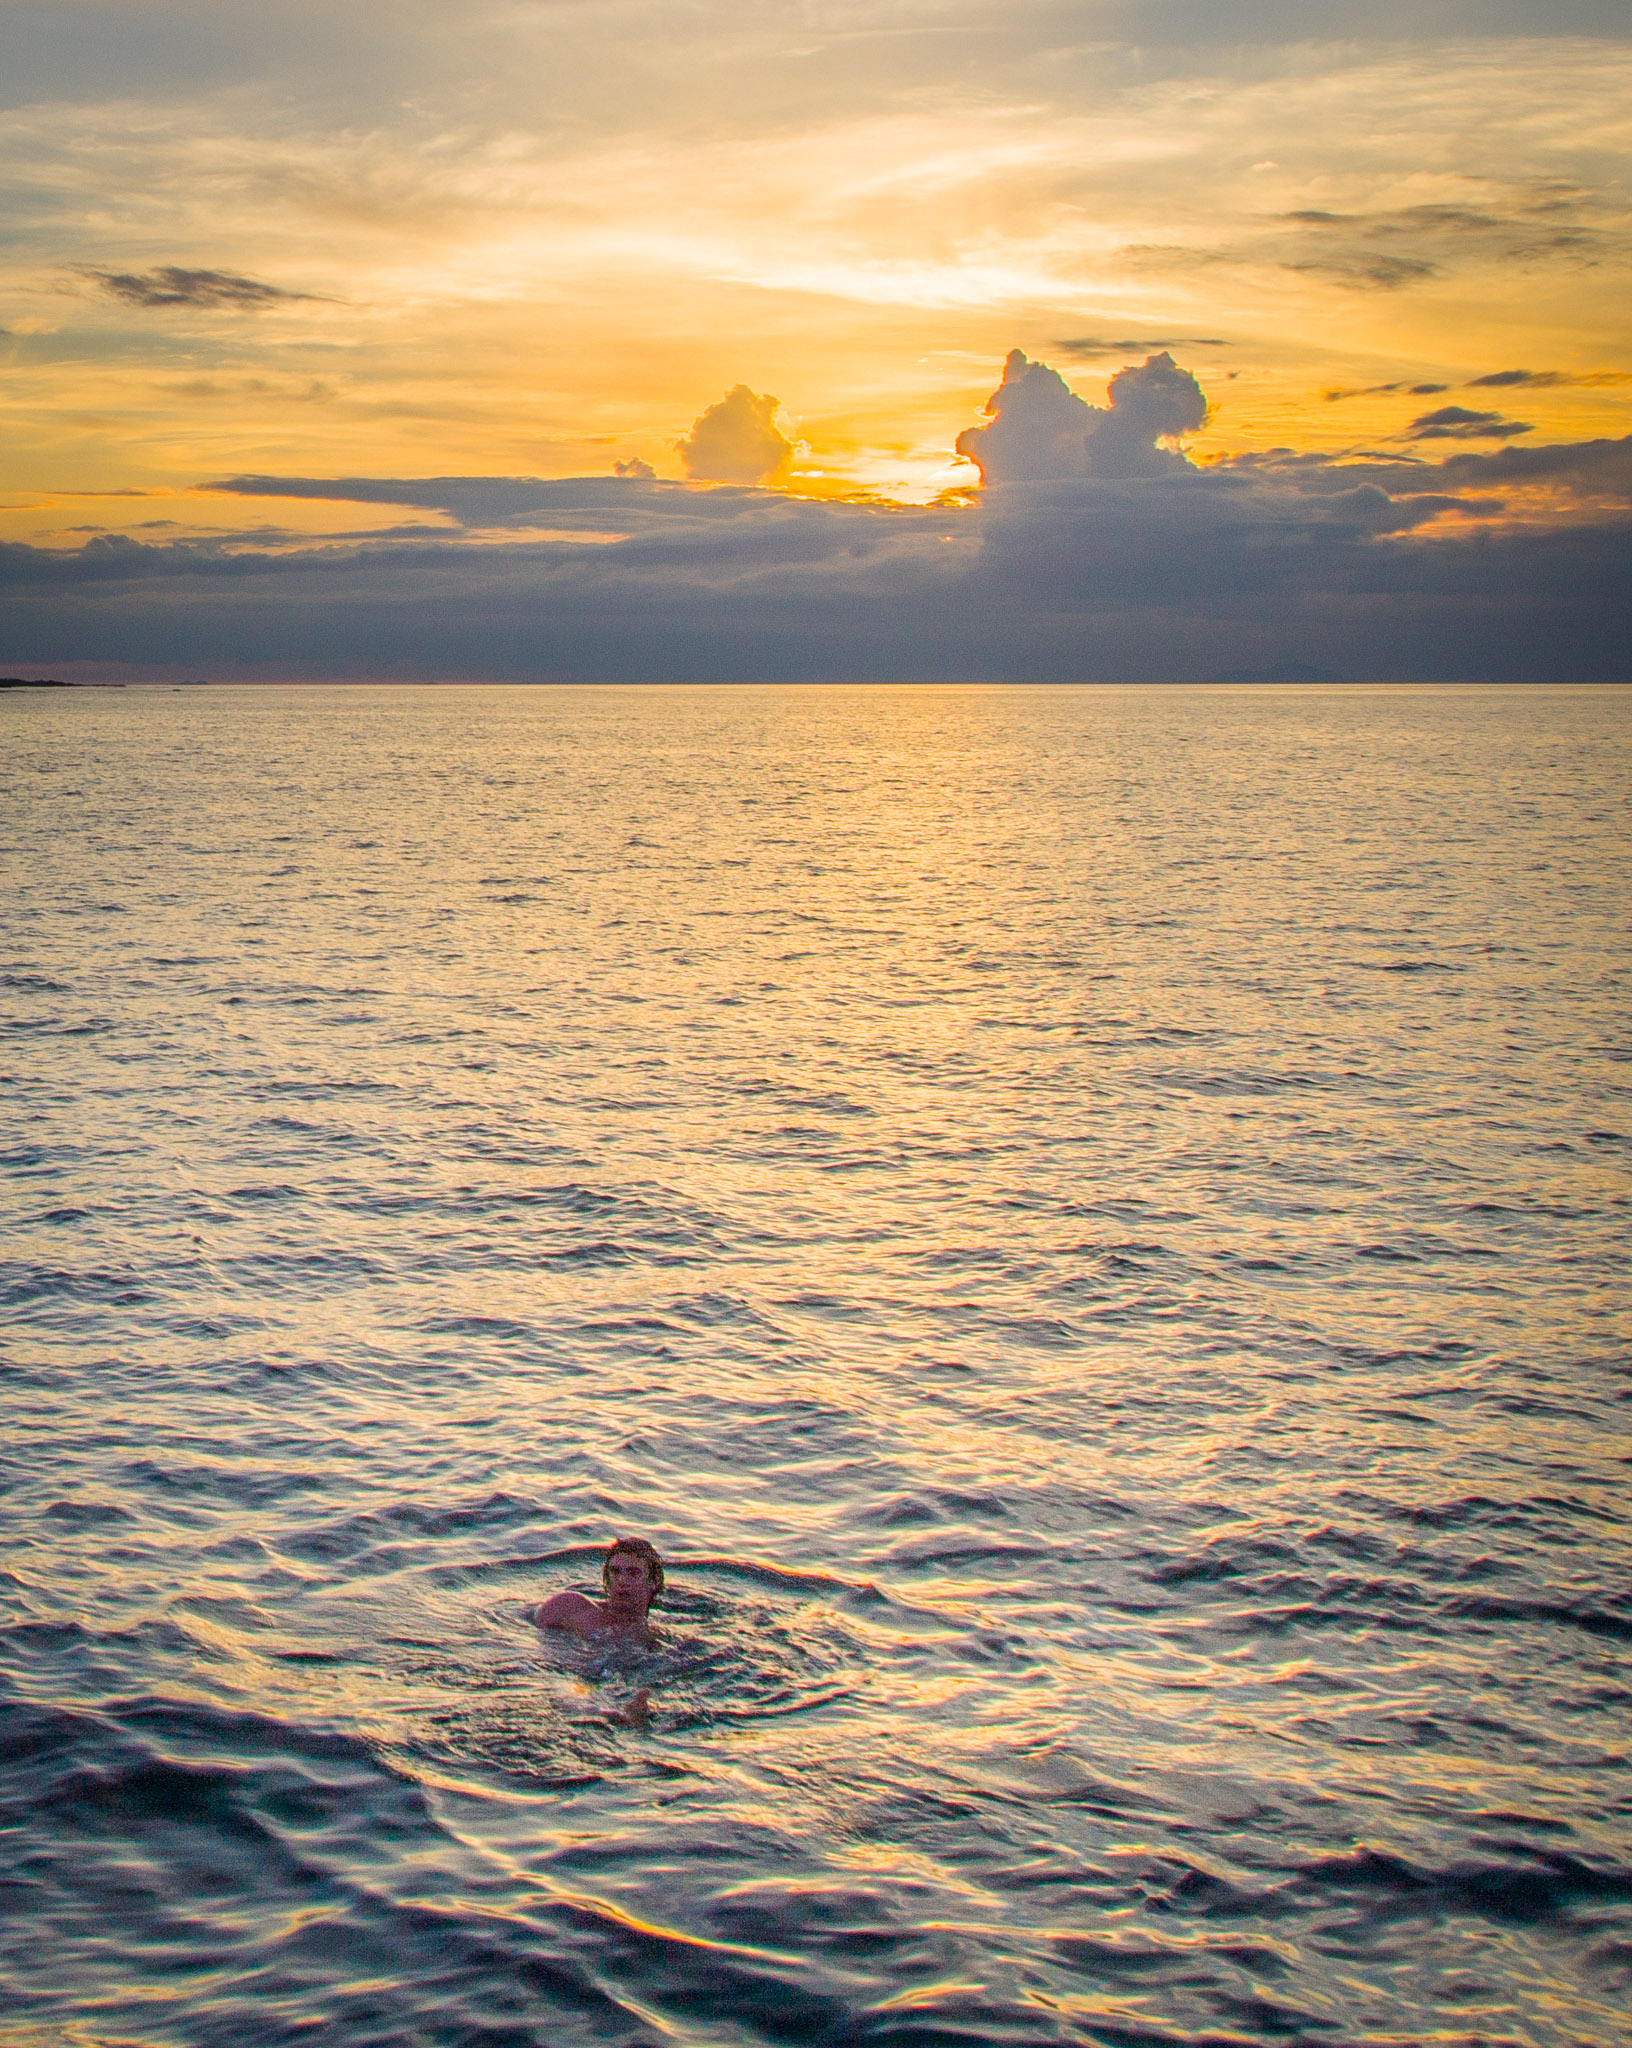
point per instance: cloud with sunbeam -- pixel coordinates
(524, 237)
(1069, 563)
(1039, 428)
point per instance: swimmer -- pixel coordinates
(632, 1576)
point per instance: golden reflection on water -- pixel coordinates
(1086, 1224)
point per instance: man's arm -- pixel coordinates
(567, 1610)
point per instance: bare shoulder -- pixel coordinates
(567, 1610)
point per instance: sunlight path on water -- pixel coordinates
(1089, 1226)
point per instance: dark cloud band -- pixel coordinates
(1184, 575)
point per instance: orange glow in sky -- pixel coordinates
(542, 239)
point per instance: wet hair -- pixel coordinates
(637, 1546)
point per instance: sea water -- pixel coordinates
(1091, 1228)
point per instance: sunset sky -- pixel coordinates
(268, 247)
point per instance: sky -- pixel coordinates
(1125, 340)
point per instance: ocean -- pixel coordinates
(1089, 1225)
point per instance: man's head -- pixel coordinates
(632, 1573)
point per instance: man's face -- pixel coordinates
(627, 1585)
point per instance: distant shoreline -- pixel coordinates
(56, 683)
(51, 683)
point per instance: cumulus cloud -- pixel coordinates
(1150, 403)
(737, 441)
(634, 468)
(172, 286)
(1040, 429)
(1460, 423)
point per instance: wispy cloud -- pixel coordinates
(1547, 380)
(1460, 423)
(1391, 248)
(1089, 348)
(1338, 392)
(171, 285)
